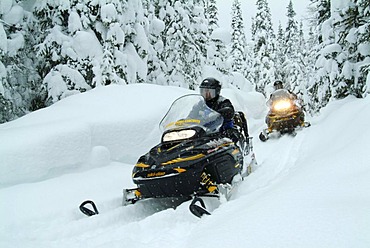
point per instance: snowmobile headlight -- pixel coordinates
(179, 135)
(282, 105)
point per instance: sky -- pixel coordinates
(248, 7)
(311, 190)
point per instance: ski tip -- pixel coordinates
(88, 211)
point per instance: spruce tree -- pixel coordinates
(185, 38)
(90, 44)
(293, 65)
(155, 10)
(210, 14)
(364, 43)
(264, 48)
(280, 53)
(322, 69)
(239, 43)
(217, 52)
(303, 62)
(355, 52)
(20, 85)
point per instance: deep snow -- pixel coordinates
(311, 190)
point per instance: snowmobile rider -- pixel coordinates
(278, 85)
(210, 89)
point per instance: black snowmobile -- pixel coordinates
(285, 116)
(193, 159)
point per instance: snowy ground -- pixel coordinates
(312, 190)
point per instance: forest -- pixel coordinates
(52, 49)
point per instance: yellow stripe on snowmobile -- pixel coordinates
(226, 144)
(235, 151)
(212, 188)
(179, 170)
(169, 149)
(178, 160)
(182, 122)
(142, 165)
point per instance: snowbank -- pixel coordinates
(118, 123)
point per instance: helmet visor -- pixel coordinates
(278, 85)
(208, 94)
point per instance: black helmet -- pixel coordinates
(278, 85)
(210, 88)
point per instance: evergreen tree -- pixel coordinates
(364, 43)
(210, 14)
(352, 80)
(58, 58)
(217, 53)
(303, 60)
(280, 53)
(322, 54)
(185, 38)
(90, 44)
(264, 49)
(239, 43)
(319, 11)
(20, 90)
(155, 10)
(293, 64)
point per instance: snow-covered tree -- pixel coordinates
(280, 53)
(342, 53)
(355, 52)
(185, 38)
(238, 40)
(293, 65)
(211, 15)
(363, 37)
(303, 62)
(20, 90)
(217, 52)
(323, 68)
(264, 48)
(155, 13)
(90, 43)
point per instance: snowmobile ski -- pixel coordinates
(197, 210)
(88, 211)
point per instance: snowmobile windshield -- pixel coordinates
(279, 95)
(189, 111)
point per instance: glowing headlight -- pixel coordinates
(282, 105)
(179, 135)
